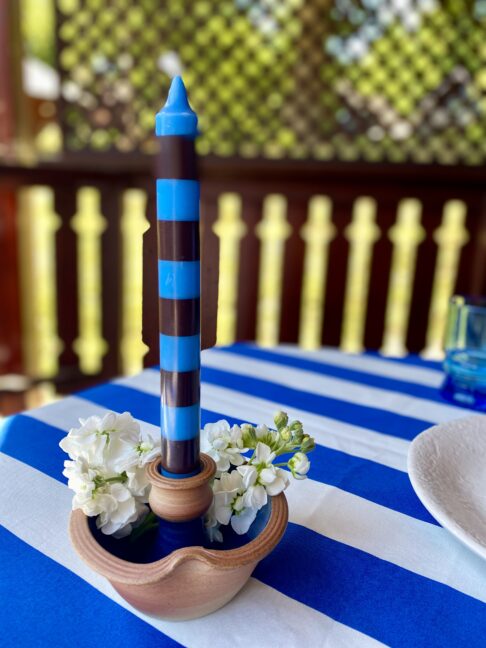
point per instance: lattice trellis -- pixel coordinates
(376, 80)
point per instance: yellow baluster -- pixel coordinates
(89, 224)
(273, 230)
(230, 229)
(450, 237)
(133, 226)
(317, 233)
(38, 224)
(406, 235)
(361, 234)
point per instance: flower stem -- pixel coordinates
(151, 521)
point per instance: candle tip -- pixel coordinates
(177, 116)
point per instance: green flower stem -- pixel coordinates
(101, 481)
(151, 521)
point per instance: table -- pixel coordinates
(362, 561)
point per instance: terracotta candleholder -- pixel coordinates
(178, 500)
(188, 583)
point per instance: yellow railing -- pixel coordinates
(38, 224)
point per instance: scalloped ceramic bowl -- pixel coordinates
(188, 583)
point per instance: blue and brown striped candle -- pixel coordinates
(179, 284)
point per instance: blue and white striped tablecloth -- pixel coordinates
(361, 563)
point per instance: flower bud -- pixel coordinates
(308, 444)
(299, 465)
(285, 434)
(296, 426)
(281, 419)
(249, 435)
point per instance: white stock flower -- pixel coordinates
(230, 503)
(212, 525)
(226, 491)
(274, 479)
(255, 495)
(243, 520)
(299, 465)
(224, 444)
(81, 480)
(138, 484)
(114, 442)
(239, 495)
(121, 510)
(106, 471)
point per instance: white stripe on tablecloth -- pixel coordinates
(343, 390)
(337, 435)
(417, 546)
(41, 521)
(359, 523)
(368, 364)
(65, 414)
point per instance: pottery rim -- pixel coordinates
(122, 571)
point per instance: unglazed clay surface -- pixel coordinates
(191, 581)
(447, 468)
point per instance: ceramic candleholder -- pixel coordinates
(188, 583)
(178, 500)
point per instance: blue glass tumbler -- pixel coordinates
(465, 346)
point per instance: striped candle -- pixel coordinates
(179, 284)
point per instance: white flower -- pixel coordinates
(138, 484)
(263, 456)
(226, 491)
(255, 495)
(122, 511)
(89, 441)
(231, 500)
(274, 479)
(299, 465)
(131, 449)
(114, 442)
(80, 480)
(107, 472)
(214, 533)
(224, 444)
(242, 521)
(212, 525)
(262, 432)
(239, 495)
(112, 501)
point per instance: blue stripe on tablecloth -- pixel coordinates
(24, 438)
(373, 418)
(359, 376)
(362, 477)
(44, 604)
(35, 443)
(359, 590)
(382, 600)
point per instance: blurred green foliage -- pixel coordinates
(349, 79)
(38, 29)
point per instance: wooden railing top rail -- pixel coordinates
(215, 169)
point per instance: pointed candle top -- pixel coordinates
(177, 116)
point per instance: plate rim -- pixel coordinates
(444, 520)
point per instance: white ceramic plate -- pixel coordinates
(447, 468)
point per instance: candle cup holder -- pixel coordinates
(179, 500)
(191, 581)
